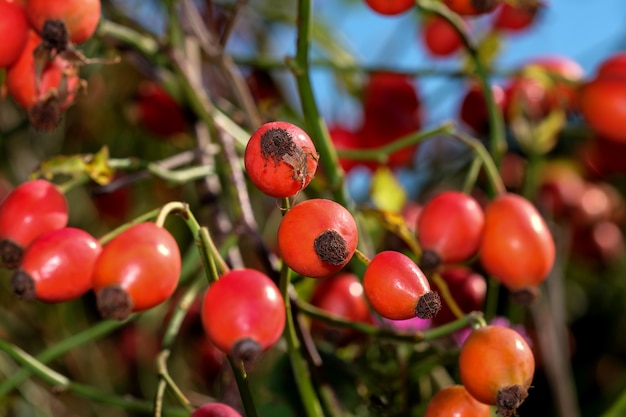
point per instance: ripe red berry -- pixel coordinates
(243, 313)
(602, 102)
(13, 31)
(79, 16)
(473, 111)
(455, 401)
(468, 289)
(613, 67)
(391, 109)
(280, 159)
(449, 228)
(471, 7)
(49, 96)
(516, 18)
(28, 211)
(440, 38)
(317, 237)
(341, 296)
(57, 266)
(398, 289)
(517, 247)
(390, 7)
(496, 366)
(137, 270)
(215, 410)
(158, 112)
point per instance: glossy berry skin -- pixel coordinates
(341, 296)
(450, 226)
(390, 7)
(243, 306)
(613, 67)
(80, 16)
(57, 266)
(215, 410)
(280, 159)
(317, 237)
(602, 102)
(397, 289)
(455, 401)
(516, 18)
(137, 270)
(13, 31)
(28, 211)
(517, 247)
(471, 7)
(473, 111)
(468, 289)
(439, 37)
(493, 359)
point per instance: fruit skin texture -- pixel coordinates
(602, 103)
(243, 304)
(317, 237)
(613, 67)
(450, 226)
(280, 159)
(492, 359)
(517, 247)
(215, 410)
(80, 16)
(394, 286)
(13, 31)
(341, 296)
(390, 7)
(60, 264)
(440, 37)
(29, 210)
(455, 401)
(143, 262)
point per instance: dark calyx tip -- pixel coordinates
(331, 247)
(276, 143)
(10, 254)
(46, 116)
(509, 399)
(247, 351)
(525, 296)
(430, 260)
(114, 303)
(54, 35)
(23, 285)
(428, 305)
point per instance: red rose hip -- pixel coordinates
(280, 159)
(317, 237)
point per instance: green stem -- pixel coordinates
(618, 408)
(47, 374)
(381, 153)
(472, 175)
(104, 239)
(93, 333)
(241, 377)
(317, 126)
(497, 139)
(470, 319)
(491, 169)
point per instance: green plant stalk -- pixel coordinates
(166, 381)
(241, 378)
(64, 384)
(317, 126)
(95, 332)
(491, 169)
(497, 139)
(152, 214)
(473, 318)
(381, 153)
(472, 175)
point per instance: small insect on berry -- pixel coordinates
(280, 159)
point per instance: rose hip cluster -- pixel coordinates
(39, 54)
(136, 270)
